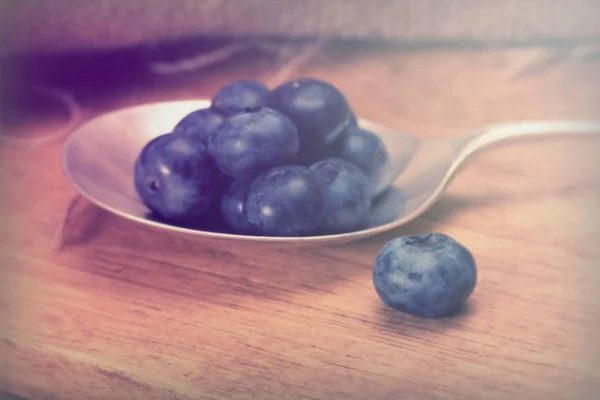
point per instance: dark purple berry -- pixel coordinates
(240, 96)
(285, 201)
(175, 177)
(249, 143)
(318, 109)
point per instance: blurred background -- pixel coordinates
(101, 55)
(66, 25)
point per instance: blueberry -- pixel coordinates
(317, 108)
(365, 150)
(347, 195)
(207, 222)
(240, 96)
(285, 201)
(249, 143)
(387, 207)
(201, 123)
(352, 121)
(233, 209)
(332, 149)
(212, 219)
(174, 176)
(427, 276)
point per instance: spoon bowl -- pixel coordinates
(99, 158)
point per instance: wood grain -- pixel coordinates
(129, 313)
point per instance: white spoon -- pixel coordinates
(98, 159)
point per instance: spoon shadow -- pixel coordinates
(139, 262)
(104, 245)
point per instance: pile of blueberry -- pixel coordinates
(291, 161)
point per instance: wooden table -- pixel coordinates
(122, 312)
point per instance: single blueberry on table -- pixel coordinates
(285, 201)
(347, 194)
(428, 276)
(174, 176)
(201, 123)
(317, 108)
(249, 143)
(365, 150)
(240, 96)
(233, 208)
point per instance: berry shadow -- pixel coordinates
(397, 322)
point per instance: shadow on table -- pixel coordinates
(132, 254)
(9, 396)
(140, 258)
(397, 322)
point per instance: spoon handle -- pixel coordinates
(458, 150)
(469, 145)
(499, 133)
